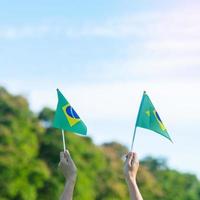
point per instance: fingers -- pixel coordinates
(65, 156)
(131, 157)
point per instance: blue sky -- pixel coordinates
(102, 55)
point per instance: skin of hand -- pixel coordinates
(69, 170)
(131, 166)
(67, 166)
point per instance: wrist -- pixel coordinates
(131, 180)
(71, 178)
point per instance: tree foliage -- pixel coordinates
(29, 155)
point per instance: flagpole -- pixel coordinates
(133, 138)
(63, 137)
(136, 123)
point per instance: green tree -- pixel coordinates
(22, 173)
(29, 156)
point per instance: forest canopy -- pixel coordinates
(29, 156)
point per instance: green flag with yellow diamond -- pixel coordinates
(66, 117)
(148, 117)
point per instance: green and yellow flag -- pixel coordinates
(66, 117)
(148, 118)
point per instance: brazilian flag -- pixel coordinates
(148, 117)
(66, 117)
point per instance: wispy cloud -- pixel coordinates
(22, 32)
(169, 40)
(180, 22)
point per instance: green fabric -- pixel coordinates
(66, 118)
(148, 117)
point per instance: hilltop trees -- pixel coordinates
(29, 154)
(22, 172)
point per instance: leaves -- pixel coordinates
(29, 156)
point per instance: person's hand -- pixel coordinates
(67, 166)
(131, 166)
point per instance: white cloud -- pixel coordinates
(121, 100)
(27, 31)
(178, 100)
(179, 22)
